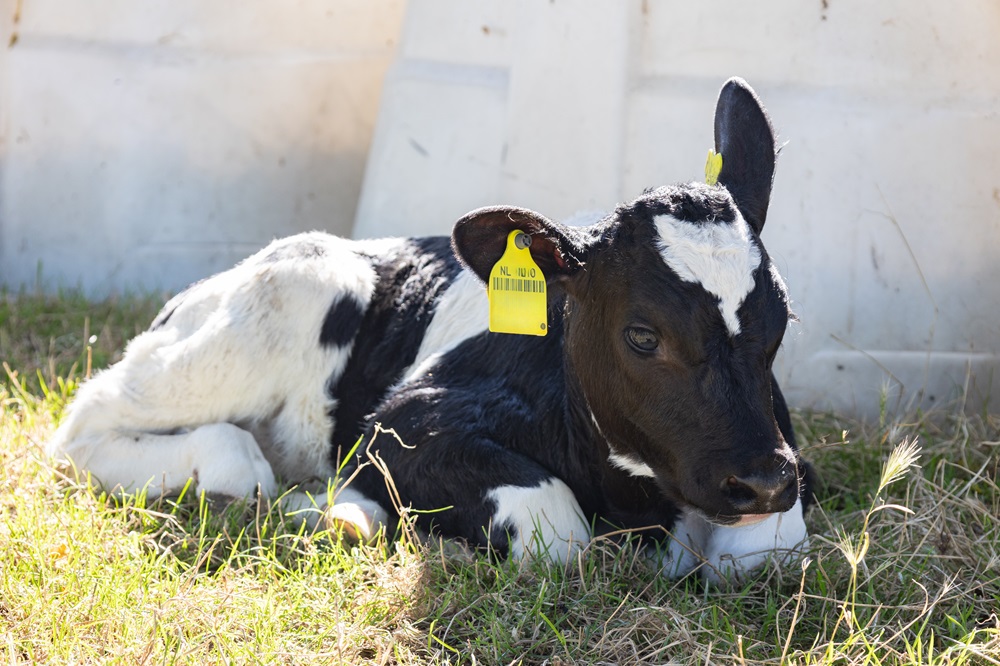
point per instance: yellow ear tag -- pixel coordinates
(516, 290)
(712, 167)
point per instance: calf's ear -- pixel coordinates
(480, 238)
(745, 139)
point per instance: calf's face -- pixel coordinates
(674, 315)
(672, 330)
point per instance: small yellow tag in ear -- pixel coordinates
(712, 167)
(516, 290)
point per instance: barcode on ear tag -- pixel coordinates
(516, 290)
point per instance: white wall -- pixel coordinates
(885, 216)
(148, 143)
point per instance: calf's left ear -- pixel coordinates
(745, 138)
(480, 238)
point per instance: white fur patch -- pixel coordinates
(546, 519)
(684, 552)
(631, 465)
(719, 256)
(240, 347)
(729, 551)
(736, 550)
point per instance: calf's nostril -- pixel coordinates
(739, 492)
(761, 493)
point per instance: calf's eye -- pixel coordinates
(641, 339)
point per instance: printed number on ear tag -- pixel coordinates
(516, 290)
(712, 167)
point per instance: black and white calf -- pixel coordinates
(649, 406)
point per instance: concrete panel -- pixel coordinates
(532, 145)
(922, 47)
(475, 33)
(440, 150)
(149, 147)
(303, 29)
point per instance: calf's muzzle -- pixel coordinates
(773, 491)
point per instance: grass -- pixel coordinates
(903, 565)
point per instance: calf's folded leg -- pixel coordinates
(220, 458)
(472, 488)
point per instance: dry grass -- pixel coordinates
(900, 571)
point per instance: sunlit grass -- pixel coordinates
(903, 565)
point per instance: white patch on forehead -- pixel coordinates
(719, 256)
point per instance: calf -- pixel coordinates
(649, 406)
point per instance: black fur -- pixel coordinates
(694, 203)
(410, 282)
(342, 322)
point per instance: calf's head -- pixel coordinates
(674, 313)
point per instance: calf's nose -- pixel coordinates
(772, 492)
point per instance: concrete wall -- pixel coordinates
(885, 216)
(146, 144)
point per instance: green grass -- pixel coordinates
(85, 578)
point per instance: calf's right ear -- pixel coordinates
(480, 239)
